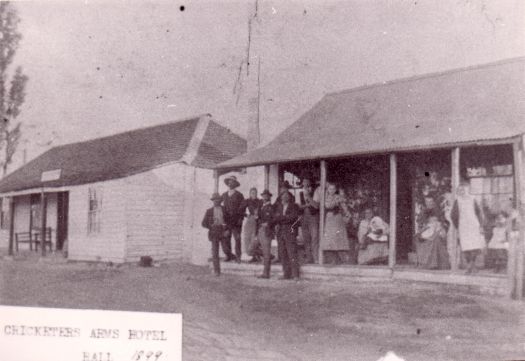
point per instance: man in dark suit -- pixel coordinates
(215, 220)
(233, 202)
(286, 217)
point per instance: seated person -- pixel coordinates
(373, 239)
(432, 243)
(499, 243)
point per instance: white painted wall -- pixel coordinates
(109, 244)
(154, 213)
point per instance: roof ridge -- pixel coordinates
(427, 76)
(192, 150)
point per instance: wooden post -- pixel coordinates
(453, 232)
(266, 176)
(322, 190)
(11, 223)
(393, 212)
(43, 210)
(215, 181)
(519, 246)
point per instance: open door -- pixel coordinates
(62, 218)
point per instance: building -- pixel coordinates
(389, 144)
(117, 198)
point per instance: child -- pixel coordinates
(498, 245)
(215, 220)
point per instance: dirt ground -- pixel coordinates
(244, 318)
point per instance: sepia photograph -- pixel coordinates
(256, 180)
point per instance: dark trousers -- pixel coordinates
(310, 228)
(287, 239)
(216, 239)
(265, 238)
(235, 232)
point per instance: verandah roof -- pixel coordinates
(467, 105)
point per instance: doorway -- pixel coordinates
(62, 219)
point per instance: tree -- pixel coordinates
(12, 93)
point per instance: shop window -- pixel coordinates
(94, 210)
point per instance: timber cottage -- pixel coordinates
(120, 197)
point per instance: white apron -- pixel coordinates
(470, 236)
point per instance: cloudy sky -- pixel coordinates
(100, 67)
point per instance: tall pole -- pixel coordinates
(322, 210)
(393, 212)
(453, 233)
(43, 209)
(11, 223)
(266, 176)
(215, 181)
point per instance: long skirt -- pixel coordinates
(335, 234)
(374, 253)
(249, 235)
(432, 253)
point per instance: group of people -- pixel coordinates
(254, 222)
(265, 220)
(476, 234)
(365, 238)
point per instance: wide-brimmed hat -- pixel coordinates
(215, 196)
(233, 179)
(266, 192)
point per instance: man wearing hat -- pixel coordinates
(215, 220)
(286, 217)
(265, 231)
(233, 202)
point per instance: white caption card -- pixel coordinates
(36, 334)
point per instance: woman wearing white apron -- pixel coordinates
(467, 218)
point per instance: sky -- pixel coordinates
(100, 67)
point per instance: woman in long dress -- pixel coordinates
(251, 244)
(467, 218)
(373, 239)
(335, 238)
(432, 243)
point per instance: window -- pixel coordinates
(95, 206)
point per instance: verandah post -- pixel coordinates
(322, 190)
(453, 233)
(43, 210)
(393, 211)
(11, 224)
(517, 148)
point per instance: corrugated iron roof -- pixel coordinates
(125, 154)
(485, 102)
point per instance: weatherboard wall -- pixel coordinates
(154, 213)
(108, 244)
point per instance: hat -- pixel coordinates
(215, 196)
(233, 179)
(266, 192)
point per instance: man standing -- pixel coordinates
(265, 231)
(233, 201)
(310, 221)
(215, 220)
(287, 218)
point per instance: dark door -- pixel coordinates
(62, 218)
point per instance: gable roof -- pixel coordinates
(484, 102)
(198, 141)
